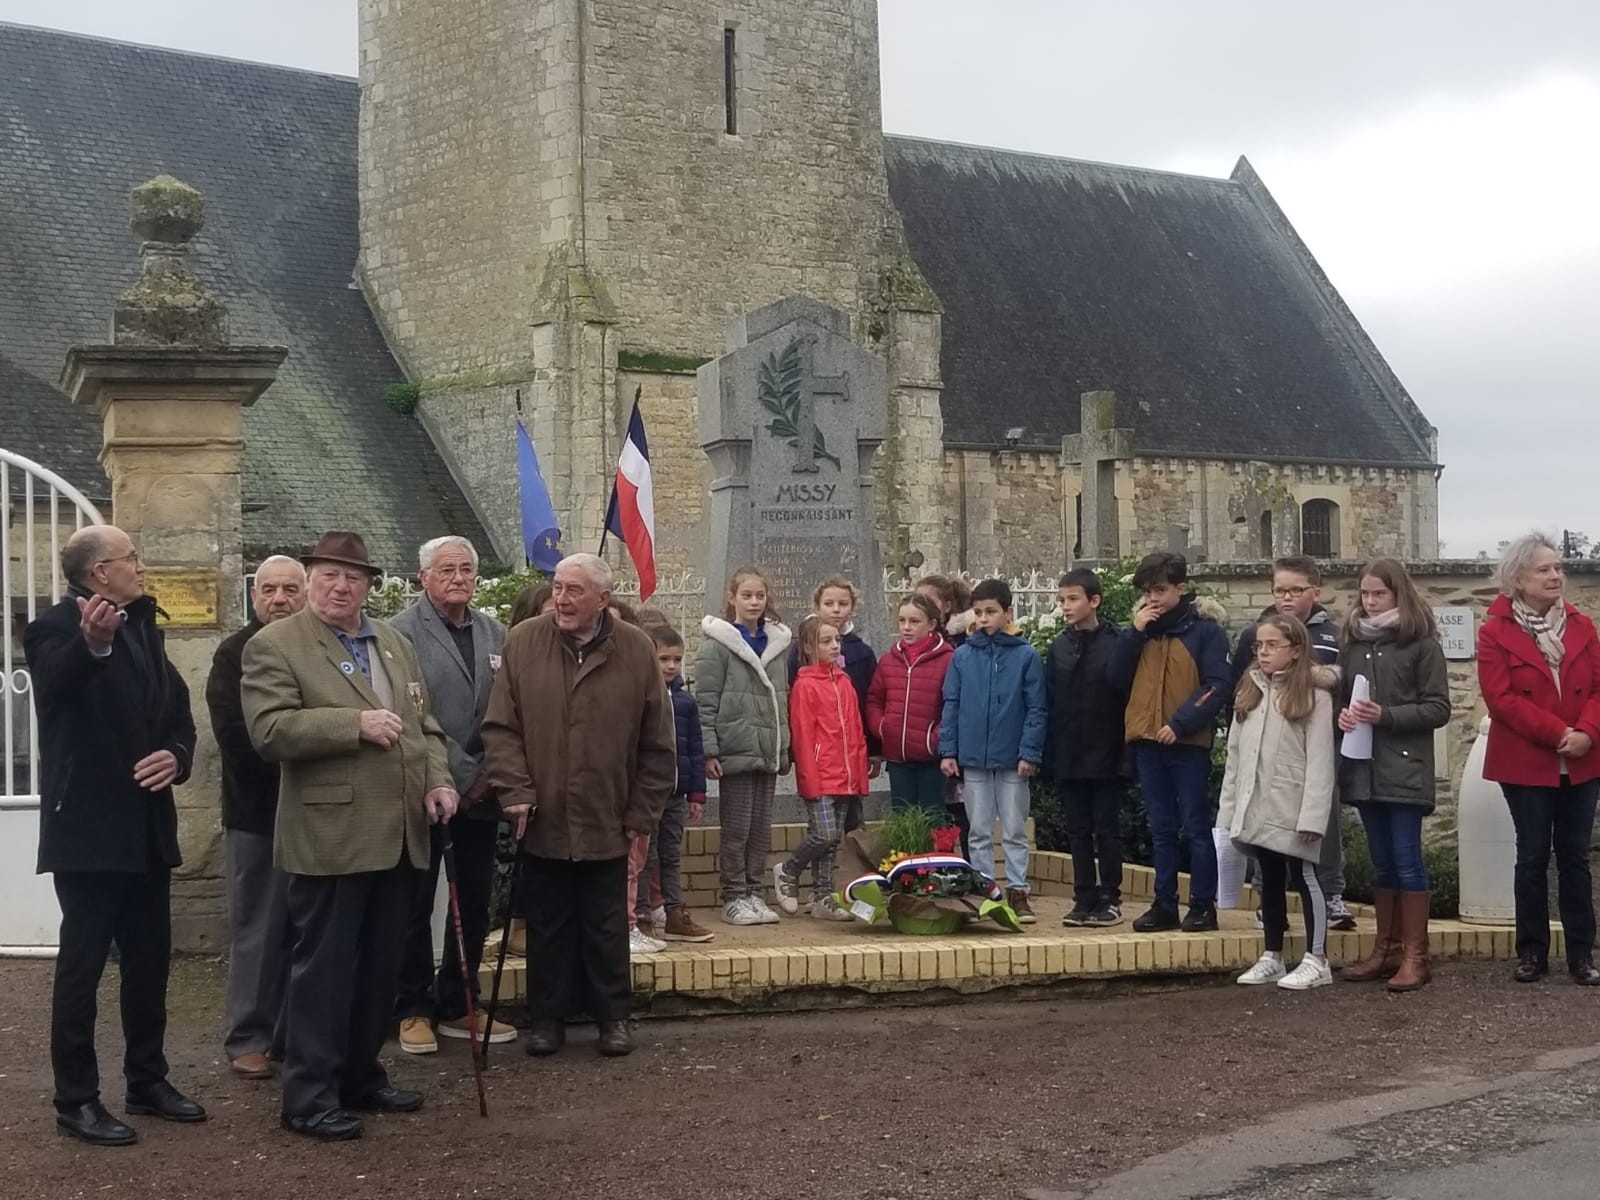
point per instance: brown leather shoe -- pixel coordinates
(251, 1066)
(1415, 971)
(517, 943)
(615, 1040)
(1018, 900)
(681, 927)
(1384, 960)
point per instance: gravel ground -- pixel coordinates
(983, 1099)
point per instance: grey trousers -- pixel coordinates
(745, 802)
(259, 942)
(1330, 866)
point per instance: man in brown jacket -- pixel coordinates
(338, 701)
(582, 753)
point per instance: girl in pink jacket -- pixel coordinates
(828, 742)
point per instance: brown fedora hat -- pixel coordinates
(342, 546)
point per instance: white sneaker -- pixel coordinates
(826, 910)
(739, 911)
(658, 917)
(1309, 974)
(787, 889)
(1269, 968)
(641, 943)
(764, 912)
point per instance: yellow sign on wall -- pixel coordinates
(191, 599)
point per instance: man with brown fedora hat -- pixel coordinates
(338, 700)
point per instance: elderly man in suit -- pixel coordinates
(459, 649)
(115, 735)
(583, 753)
(338, 701)
(258, 913)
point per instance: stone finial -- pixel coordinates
(168, 305)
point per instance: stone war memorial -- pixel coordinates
(790, 418)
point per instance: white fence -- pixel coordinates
(38, 512)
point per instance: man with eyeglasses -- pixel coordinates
(115, 736)
(459, 649)
(1297, 591)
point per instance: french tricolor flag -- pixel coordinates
(632, 515)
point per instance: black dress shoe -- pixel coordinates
(93, 1124)
(1530, 969)
(331, 1125)
(545, 1038)
(1584, 974)
(386, 1100)
(164, 1101)
(615, 1040)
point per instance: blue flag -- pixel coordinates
(541, 533)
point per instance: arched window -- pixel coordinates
(1319, 529)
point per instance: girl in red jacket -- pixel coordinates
(904, 703)
(829, 745)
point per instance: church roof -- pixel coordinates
(1191, 298)
(82, 121)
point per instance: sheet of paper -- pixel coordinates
(1358, 742)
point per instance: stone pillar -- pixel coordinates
(1095, 453)
(915, 503)
(170, 393)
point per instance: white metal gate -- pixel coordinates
(38, 512)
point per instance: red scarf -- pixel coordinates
(915, 650)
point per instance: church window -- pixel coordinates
(1266, 534)
(730, 78)
(1319, 529)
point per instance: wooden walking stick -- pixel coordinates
(448, 852)
(505, 940)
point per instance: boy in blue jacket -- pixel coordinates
(688, 800)
(992, 734)
(1173, 663)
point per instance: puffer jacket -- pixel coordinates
(1085, 739)
(860, 663)
(1412, 684)
(1175, 672)
(994, 706)
(1529, 712)
(744, 713)
(826, 733)
(906, 701)
(691, 746)
(1279, 779)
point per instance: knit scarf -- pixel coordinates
(1373, 629)
(1546, 631)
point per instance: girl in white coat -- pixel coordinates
(1277, 791)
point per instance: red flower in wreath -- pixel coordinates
(946, 839)
(922, 870)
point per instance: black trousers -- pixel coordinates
(134, 910)
(443, 998)
(1093, 808)
(577, 938)
(1561, 818)
(349, 938)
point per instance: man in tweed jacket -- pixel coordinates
(338, 701)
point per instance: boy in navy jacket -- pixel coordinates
(1173, 661)
(992, 734)
(688, 800)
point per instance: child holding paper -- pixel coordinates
(1392, 654)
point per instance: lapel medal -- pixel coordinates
(494, 662)
(414, 690)
(349, 668)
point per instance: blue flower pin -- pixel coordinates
(348, 668)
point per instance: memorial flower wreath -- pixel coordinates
(922, 884)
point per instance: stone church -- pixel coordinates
(546, 206)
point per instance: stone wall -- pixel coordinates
(1246, 588)
(679, 470)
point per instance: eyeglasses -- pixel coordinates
(1289, 593)
(456, 572)
(132, 556)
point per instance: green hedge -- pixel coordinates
(1440, 861)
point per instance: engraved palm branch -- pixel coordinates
(778, 388)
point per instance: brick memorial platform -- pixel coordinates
(804, 963)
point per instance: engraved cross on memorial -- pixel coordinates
(808, 443)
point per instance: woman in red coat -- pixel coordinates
(1539, 668)
(904, 704)
(828, 740)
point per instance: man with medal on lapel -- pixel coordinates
(338, 701)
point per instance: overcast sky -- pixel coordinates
(1442, 160)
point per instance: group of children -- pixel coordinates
(964, 713)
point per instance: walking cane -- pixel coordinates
(448, 853)
(500, 964)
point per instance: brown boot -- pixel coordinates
(1414, 969)
(1384, 960)
(517, 943)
